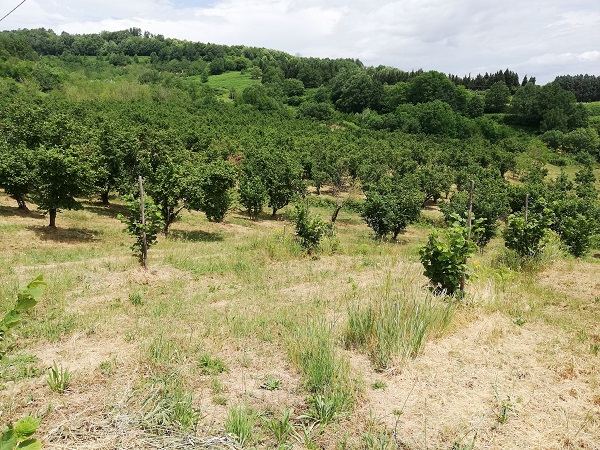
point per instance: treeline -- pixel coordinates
(585, 87)
(483, 82)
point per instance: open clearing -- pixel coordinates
(213, 321)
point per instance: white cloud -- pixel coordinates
(458, 36)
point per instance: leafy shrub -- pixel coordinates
(444, 257)
(26, 299)
(310, 230)
(154, 224)
(576, 233)
(527, 237)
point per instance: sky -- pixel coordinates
(541, 38)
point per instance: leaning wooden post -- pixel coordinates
(469, 224)
(143, 218)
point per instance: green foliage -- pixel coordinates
(577, 233)
(19, 435)
(58, 378)
(310, 230)
(282, 428)
(253, 194)
(280, 174)
(154, 223)
(210, 365)
(26, 299)
(497, 97)
(240, 422)
(445, 257)
(17, 176)
(217, 181)
(354, 91)
(437, 118)
(490, 203)
(62, 175)
(391, 205)
(527, 237)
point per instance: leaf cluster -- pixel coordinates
(445, 255)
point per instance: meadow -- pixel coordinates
(235, 337)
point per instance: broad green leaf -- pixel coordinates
(26, 426)
(25, 301)
(8, 440)
(30, 444)
(10, 320)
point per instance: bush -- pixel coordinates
(310, 231)
(154, 224)
(576, 233)
(444, 258)
(527, 237)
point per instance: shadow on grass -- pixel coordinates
(65, 235)
(105, 210)
(596, 255)
(7, 211)
(195, 236)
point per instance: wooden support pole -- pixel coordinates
(470, 225)
(143, 219)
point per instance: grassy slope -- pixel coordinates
(228, 80)
(517, 367)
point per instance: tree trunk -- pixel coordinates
(104, 197)
(52, 213)
(396, 233)
(21, 203)
(274, 212)
(337, 210)
(166, 228)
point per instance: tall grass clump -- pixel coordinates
(326, 374)
(239, 422)
(395, 325)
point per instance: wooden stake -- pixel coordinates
(470, 224)
(143, 218)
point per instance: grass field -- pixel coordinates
(234, 335)
(222, 84)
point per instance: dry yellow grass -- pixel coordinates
(518, 367)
